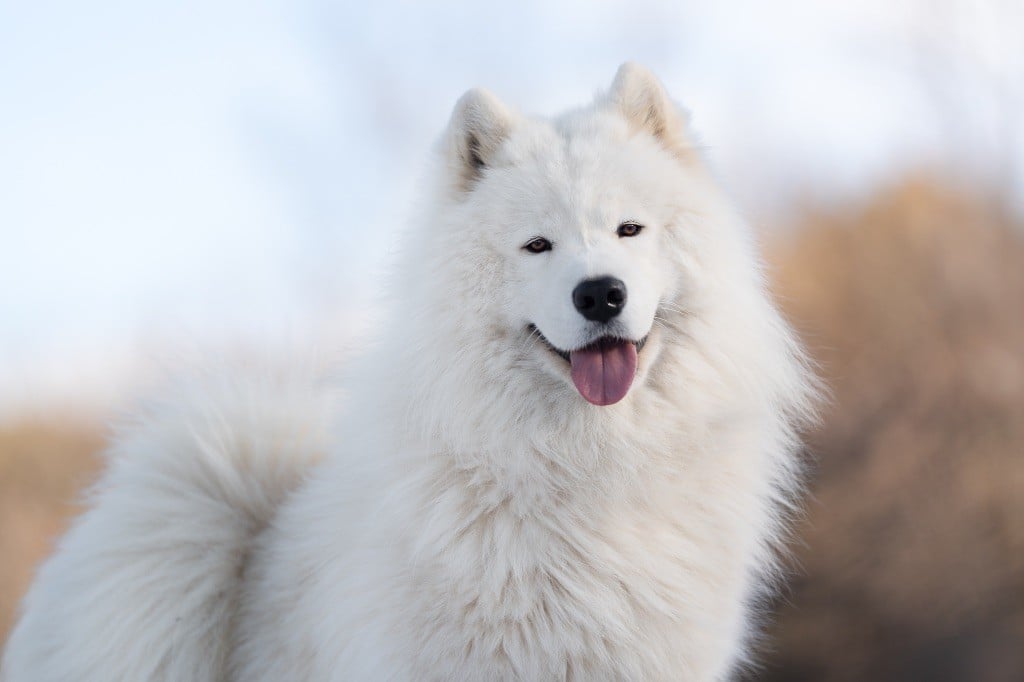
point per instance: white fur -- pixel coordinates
(475, 518)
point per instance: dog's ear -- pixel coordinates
(478, 127)
(639, 97)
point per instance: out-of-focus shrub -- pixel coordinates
(912, 562)
(43, 466)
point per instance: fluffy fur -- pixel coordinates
(468, 515)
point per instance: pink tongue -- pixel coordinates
(604, 373)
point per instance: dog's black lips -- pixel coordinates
(604, 340)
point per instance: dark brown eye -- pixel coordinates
(629, 229)
(537, 245)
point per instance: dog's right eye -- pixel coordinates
(537, 245)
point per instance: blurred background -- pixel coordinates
(201, 176)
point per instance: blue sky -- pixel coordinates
(202, 173)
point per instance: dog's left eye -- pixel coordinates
(629, 229)
(537, 245)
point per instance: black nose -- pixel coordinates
(600, 299)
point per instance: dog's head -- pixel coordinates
(570, 223)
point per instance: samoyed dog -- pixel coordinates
(570, 455)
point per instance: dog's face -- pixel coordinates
(578, 215)
(585, 254)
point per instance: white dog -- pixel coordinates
(568, 458)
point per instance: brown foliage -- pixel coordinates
(913, 562)
(42, 468)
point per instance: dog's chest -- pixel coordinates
(559, 598)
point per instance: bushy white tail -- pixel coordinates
(145, 584)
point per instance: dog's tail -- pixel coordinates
(145, 584)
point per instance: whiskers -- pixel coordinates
(531, 341)
(536, 338)
(670, 315)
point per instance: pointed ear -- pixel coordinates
(478, 127)
(639, 97)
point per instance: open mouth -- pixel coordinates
(603, 370)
